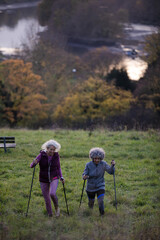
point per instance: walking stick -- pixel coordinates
(30, 191)
(82, 192)
(115, 189)
(65, 198)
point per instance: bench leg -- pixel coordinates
(5, 149)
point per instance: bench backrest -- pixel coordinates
(7, 139)
(7, 142)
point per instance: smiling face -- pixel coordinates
(96, 160)
(51, 150)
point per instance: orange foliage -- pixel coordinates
(26, 105)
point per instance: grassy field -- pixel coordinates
(137, 156)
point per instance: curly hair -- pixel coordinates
(97, 153)
(51, 143)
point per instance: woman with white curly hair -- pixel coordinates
(94, 173)
(49, 174)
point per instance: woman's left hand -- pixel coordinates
(113, 163)
(62, 180)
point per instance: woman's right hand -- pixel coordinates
(34, 163)
(85, 177)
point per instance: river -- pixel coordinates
(18, 20)
(16, 23)
(135, 36)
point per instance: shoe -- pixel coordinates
(57, 212)
(102, 213)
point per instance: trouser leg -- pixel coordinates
(53, 189)
(91, 199)
(100, 198)
(45, 191)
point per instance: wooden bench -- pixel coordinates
(7, 142)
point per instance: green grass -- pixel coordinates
(137, 156)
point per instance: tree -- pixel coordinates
(144, 11)
(120, 78)
(91, 102)
(3, 101)
(152, 48)
(99, 61)
(79, 18)
(44, 11)
(24, 97)
(55, 66)
(148, 88)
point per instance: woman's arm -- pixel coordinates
(35, 161)
(59, 169)
(85, 174)
(108, 168)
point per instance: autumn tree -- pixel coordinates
(152, 48)
(4, 96)
(24, 102)
(92, 102)
(148, 88)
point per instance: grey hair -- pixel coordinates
(51, 143)
(97, 153)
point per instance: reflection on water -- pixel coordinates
(15, 25)
(12, 37)
(10, 17)
(140, 31)
(134, 67)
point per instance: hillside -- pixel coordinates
(137, 185)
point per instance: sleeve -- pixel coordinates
(38, 158)
(109, 169)
(59, 166)
(86, 171)
(60, 173)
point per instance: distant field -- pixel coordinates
(137, 156)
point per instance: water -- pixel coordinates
(134, 64)
(140, 31)
(135, 67)
(17, 21)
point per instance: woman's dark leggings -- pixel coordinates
(100, 198)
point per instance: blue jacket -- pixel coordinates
(96, 175)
